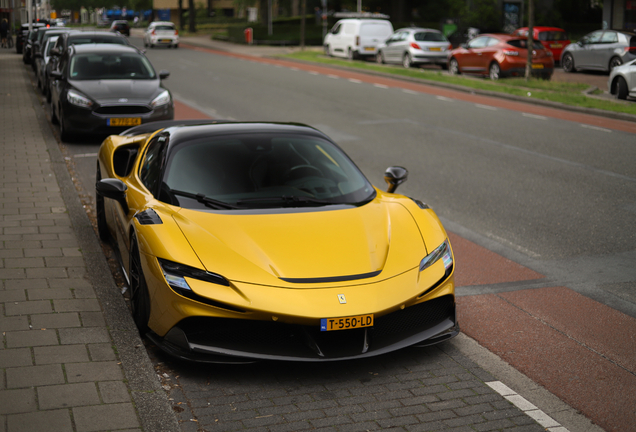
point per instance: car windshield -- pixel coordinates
(523, 43)
(429, 37)
(262, 171)
(553, 36)
(165, 27)
(95, 66)
(82, 40)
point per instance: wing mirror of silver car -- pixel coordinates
(163, 74)
(395, 176)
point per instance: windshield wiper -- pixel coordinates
(287, 200)
(209, 202)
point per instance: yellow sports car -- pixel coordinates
(252, 241)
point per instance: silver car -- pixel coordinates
(622, 80)
(600, 50)
(412, 46)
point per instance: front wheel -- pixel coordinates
(614, 62)
(65, 134)
(494, 71)
(139, 298)
(453, 67)
(350, 54)
(379, 57)
(621, 88)
(407, 60)
(568, 63)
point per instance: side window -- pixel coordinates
(594, 37)
(152, 164)
(492, 42)
(609, 37)
(479, 42)
(336, 28)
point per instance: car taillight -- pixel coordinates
(631, 49)
(511, 52)
(414, 45)
(176, 32)
(153, 32)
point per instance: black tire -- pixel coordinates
(100, 209)
(379, 58)
(453, 66)
(614, 62)
(54, 119)
(139, 298)
(494, 71)
(350, 54)
(621, 88)
(407, 61)
(176, 46)
(65, 133)
(568, 63)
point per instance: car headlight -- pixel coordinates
(162, 99)
(443, 251)
(78, 99)
(176, 273)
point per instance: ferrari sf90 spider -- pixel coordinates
(254, 241)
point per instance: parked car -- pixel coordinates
(500, 55)
(120, 26)
(21, 34)
(622, 80)
(161, 33)
(264, 241)
(414, 46)
(43, 58)
(106, 88)
(600, 50)
(552, 38)
(30, 37)
(356, 37)
(39, 61)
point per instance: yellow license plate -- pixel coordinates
(435, 49)
(165, 40)
(369, 49)
(537, 66)
(555, 45)
(126, 121)
(346, 323)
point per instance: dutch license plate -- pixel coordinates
(435, 49)
(126, 121)
(369, 49)
(537, 66)
(165, 40)
(555, 45)
(346, 323)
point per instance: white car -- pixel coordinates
(162, 33)
(622, 80)
(356, 38)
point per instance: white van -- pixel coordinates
(356, 37)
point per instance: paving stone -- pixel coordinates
(21, 284)
(60, 354)
(49, 293)
(17, 401)
(92, 319)
(14, 323)
(113, 392)
(46, 273)
(69, 283)
(105, 417)
(94, 371)
(55, 320)
(67, 395)
(34, 376)
(76, 305)
(17, 339)
(55, 421)
(15, 357)
(101, 352)
(23, 262)
(84, 335)
(12, 296)
(28, 307)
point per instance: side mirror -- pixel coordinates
(580, 43)
(56, 75)
(163, 74)
(113, 189)
(55, 52)
(395, 176)
(38, 55)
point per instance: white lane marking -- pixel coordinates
(445, 99)
(85, 155)
(413, 92)
(356, 81)
(313, 73)
(488, 107)
(529, 409)
(294, 68)
(596, 128)
(534, 116)
(382, 86)
(513, 245)
(333, 76)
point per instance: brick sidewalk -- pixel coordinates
(71, 358)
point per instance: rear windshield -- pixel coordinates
(82, 40)
(164, 27)
(553, 36)
(523, 43)
(110, 66)
(429, 37)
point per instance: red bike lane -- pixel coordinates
(580, 350)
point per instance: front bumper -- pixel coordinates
(226, 340)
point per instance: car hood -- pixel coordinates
(111, 91)
(352, 245)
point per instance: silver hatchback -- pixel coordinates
(600, 50)
(413, 46)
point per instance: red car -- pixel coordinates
(498, 56)
(553, 38)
